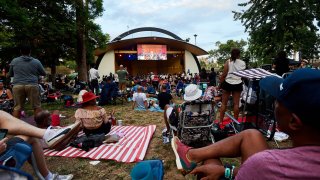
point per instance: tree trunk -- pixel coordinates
(53, 72)
(81, 46)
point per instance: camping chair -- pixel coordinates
(15, 157)
(195, 123)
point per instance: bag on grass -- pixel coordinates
(87, 142)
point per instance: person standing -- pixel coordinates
(231, 84)
(94, 79)
(25, 71)
(212, 77)
(122, 73)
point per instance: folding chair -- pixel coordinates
(195, 123)
(15, 157)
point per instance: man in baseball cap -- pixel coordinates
(296, 105)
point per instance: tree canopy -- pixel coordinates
(50, 28)
(281, 25)
(222, 53)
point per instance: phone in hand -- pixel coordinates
(3, 133)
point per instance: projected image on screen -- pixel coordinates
(152, 52)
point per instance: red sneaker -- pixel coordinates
(180, 151)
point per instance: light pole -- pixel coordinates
(195, 39)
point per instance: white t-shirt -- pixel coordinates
(93, 74)
(233, 67)
(139, 98)
(81, 93)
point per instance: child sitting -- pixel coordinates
(93, 118)
(44, 119)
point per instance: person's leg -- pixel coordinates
(38, 154)
(19, 98)
(33, 94)
(16, 126)
(243, 145)
(225, 98)
(165, 117)
(236, 101)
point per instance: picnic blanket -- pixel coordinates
(130, 148)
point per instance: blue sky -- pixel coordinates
(211, 20)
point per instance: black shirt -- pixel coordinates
(164, 99)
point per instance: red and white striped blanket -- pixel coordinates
(130, 148)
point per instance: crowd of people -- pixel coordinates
(156, 92)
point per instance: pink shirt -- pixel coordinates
(301, 163)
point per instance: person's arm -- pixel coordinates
(10, 73)
(41, 69)
(171, 100)
(145, 101)
(133, 101)
(9, 94)
(225, 71)
(3, 145)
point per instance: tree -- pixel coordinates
(222, 53)
(280, 25)
(49, 26)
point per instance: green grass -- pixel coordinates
(108, 169)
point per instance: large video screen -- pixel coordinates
(152, 52)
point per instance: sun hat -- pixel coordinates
(299, 92)
(88, 96)
(192, 92)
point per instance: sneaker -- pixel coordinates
(180, 150)
(53, 137)
(62, 177)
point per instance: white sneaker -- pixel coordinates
(52, 135)
(62, 177)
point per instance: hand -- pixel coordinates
(209, 171)
(3, 145)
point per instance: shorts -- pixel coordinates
(21, 92)
(103, 129)
(172, 117)
(12, 142)
(231, 87)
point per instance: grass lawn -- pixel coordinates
(107, 169)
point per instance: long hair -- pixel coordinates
(235, 54)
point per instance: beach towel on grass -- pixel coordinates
(130, 148)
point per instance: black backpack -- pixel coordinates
(87, 142)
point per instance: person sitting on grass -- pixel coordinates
(44, 119)
(296, 111)
(93, 118)
(139, 100)
(83, 89)
(164, 97)
(29, 134)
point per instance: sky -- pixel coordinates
(211, 20)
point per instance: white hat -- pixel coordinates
(192, 92)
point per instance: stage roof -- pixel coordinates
(171, 43)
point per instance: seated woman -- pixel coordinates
(6, 98)
(93, 118)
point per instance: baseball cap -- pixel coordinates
(299, 92)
